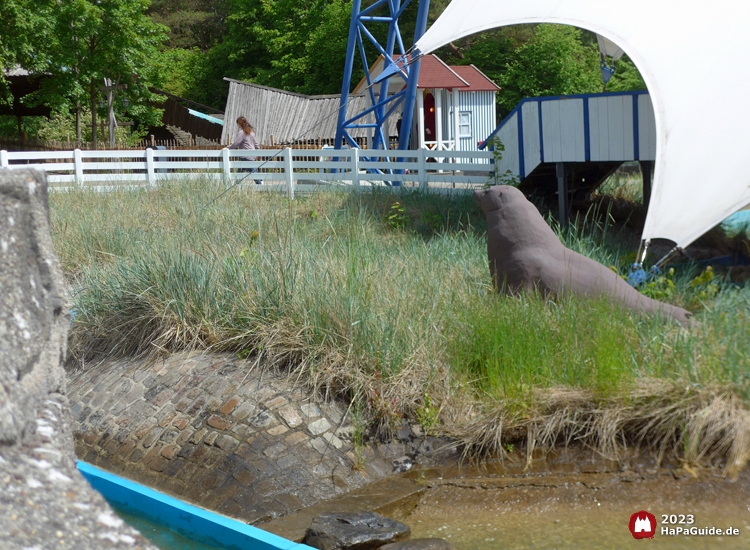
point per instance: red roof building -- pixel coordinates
(434, 73)
(455, 107)
(477, 80)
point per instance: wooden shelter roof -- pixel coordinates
(287, 116)
(22, 83)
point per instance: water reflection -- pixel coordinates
(161, 537)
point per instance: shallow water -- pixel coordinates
(582, 513)
(161, 537)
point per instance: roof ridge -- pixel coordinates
(279, 90)
(450, 69)
(484, 75)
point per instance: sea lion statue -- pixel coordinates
(525, 254)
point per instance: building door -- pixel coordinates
(429, 117)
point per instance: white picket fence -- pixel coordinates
(287, 169)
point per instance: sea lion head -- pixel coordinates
(497, 196)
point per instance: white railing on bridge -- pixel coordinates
(286, 168)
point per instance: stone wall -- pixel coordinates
(215, 431)
(45, 502)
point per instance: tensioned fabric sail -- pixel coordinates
(607, 47)
(691, 56)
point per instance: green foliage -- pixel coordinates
(554, 62)
(178, 70)
(187, 47)
(295, 45)
(533, 60)
(704, 278)
(358, 437)
(428, 415)
(626, 77)
(300, 46)
(704, 285)
(433, 220)
(22, 24)
(192, 23)
(78, 43)
(496, 178)
(200, 76)
(491, 51)
(661, 288)
(696, 291)
(362, 307)
(396, 216)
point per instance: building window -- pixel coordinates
(464, 124)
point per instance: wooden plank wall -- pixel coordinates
(597, 128)
(178, 115)
(646, 128)
(509, 137)
(482, 107)
(281, 117)
(563, 130)
(532, 154)
(611, 128)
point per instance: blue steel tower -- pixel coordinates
(405, 65)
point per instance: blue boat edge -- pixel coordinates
(190, 521)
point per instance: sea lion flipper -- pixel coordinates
(525, 254)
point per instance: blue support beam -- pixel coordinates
(403, 65)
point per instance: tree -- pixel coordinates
(491, 51)
(93, 40)
(268, 37)
(20, 22)
(627, 77)
(192, 23)
(554, 62)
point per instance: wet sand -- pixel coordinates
(582, 512)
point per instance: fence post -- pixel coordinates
(3, 159)
(150, 167)
(225, 163)
(422, 167)
(355, 167)
(289, 171)
(78, 164)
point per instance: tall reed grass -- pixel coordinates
(386, 305)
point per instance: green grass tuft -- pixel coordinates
(385, 299)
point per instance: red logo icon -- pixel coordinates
(642, 525)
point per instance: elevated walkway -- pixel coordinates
(568, 145)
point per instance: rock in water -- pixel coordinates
(402, 464)
(354, 531)
(525, 254)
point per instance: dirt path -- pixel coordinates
(581, 512)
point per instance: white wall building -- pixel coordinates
(455, 108)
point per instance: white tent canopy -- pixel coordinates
(691, 57)
(607, 47)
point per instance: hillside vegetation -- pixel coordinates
(384, 300)
(188, 47)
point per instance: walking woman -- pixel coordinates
(246, 140)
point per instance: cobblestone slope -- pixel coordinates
(214, 431)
